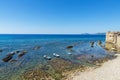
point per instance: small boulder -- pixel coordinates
(36, 48)
(92, 43)
(68, 47)
(22, 53)
(1, 50)
(7, 58)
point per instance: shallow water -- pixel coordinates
(49, 44)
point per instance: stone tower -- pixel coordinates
(113, 40)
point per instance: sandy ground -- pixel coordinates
(108, 71)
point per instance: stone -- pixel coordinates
(92, 43)
(13, 61)
(7, 58)
(22, 53)
(68, 47)
(36, 47)
(99, 42)
(56, 55)
(47, 57)
(1, 50)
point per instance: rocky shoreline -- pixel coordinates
(57, 67)
(61, 69)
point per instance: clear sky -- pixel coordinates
(59, 16)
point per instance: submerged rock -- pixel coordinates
(22, 53)
(99, 42)
(7, 58)
(92, 43)
(47, 57)
(1, 50)
(13, 53)
(69, 47)
(13, 61)
(36, 47)
(17, 51)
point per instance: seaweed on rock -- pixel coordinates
(36, 74)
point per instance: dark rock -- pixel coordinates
(92, 44)
(99, 42)
(7, 58)
(36, 47)
(68, 47)
(1, 50)
(22, 53)
(17, 51)
(11, 54)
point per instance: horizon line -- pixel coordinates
(51, 34)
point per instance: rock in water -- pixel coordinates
(12, 60)
(22, 53)
(99, 42)
(92, 44)
(7, 58)
(47, 57)
(17, 51)
(36, 47)
(68, 47)
(1, 50)
(56, 55)
(70, 53)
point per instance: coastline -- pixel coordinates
(109, 70)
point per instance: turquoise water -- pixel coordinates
(49, 44)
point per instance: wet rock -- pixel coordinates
(7, 58)
(13, 61)
(69, 47)
(92, 43)
(69, 53)
(17, 51)
(47, 57)
(22, 53)
(56, 55)
(13, 53)
(99, 42)
(1, 50)
(36, 48)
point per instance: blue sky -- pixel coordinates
(59, 16)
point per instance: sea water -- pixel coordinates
(49, 44)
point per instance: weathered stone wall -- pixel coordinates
(113, 40)
(109, 37)
(118, 41)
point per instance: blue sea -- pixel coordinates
(49, 44)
